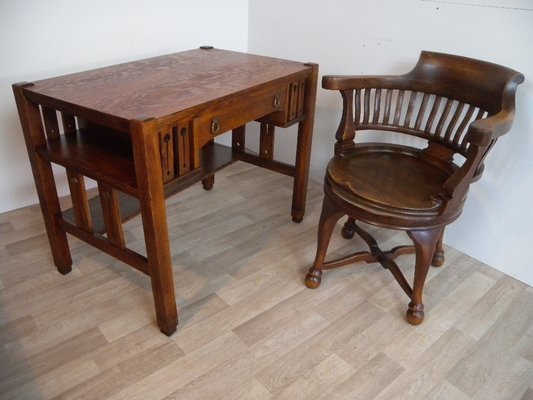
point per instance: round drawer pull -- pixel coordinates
(277, 101)
(215, 125)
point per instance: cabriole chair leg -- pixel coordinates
(328, 219)
(425, 242)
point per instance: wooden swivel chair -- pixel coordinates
(459, 107)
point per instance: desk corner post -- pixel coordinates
(145, 140)
(303, 148)
(34, 136)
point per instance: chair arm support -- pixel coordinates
(456, 186)
(481, 135)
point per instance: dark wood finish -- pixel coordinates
(305, 137)
(128, 207)
(103, 155)
(145, 130)
(189, 80)
(266, 141)
(130, 257)
(214, 157)
(238, 139)
(80, 204)
(50, 123)
(459, 106)
(34, 136)
(208, 182)
(111, 215)
(69, 124)
(152, 200)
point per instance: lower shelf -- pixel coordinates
(214, 157)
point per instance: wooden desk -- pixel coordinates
(145, 130)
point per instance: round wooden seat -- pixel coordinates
(395, 182)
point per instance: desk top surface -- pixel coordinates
(159, 86)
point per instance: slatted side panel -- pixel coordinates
(296, 99)
(166, 148)
(422, 114)
(56, 123)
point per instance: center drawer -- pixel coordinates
(230, 113)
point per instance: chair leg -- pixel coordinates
(348, 230)
(328, 218)
(425, 242)
(438, 257)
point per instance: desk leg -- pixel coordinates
(303, 148)
(209, 181)
(34, 136)
(152, 200)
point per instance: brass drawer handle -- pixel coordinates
(277, 101)
(215, 125)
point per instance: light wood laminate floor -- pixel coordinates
(249, 328)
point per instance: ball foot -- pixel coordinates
(438, 259)
(415, 314)
(347, 232)
(313, 279)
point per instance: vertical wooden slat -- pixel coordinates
(398, 109)
(301, 98)
(377, 106)
(464, 123)
(454, 120)
(50, 123)
(166, 146)
(82, 123)
(388, 103)
(480, 114)
(357, 105)
(366, 111)
(421, 111)
(69, 124)
(111, 214)
(266, 141)
(238, 139)
(433, 114)
(80, 204)
(464, 146)
(410, 108)
(182, 147)
(293, 100)
(443, 117)
(194, 144)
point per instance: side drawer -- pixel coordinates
(294, 106)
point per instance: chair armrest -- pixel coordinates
(483, 131)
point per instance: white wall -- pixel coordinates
(386, 37)
(40, 39)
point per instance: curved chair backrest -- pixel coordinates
(437, 100)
